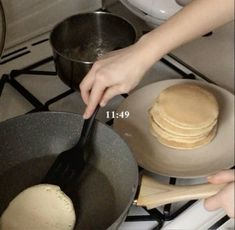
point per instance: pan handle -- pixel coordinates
(153, 194)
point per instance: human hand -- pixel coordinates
(121, 70)
(113, 74)
(224, 198)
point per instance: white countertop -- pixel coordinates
(212, 56)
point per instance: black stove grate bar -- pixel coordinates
(16, 73)
(169, 216)
(39, 72)
(140, 218)
(110, 122)
(33, 100)
(3, 80)
(155, 213)
(159, 226)
(179, 211)
(178, 70)
(39, 42)
(192, 69)
(158, 217)
(167, 210)
(14, 52)
(219, 223)
(166, 215)
(15, 57)
(39, 106)
(161, 217)
(167, 207)
(57, 98)
(41, 109)
(39, 63)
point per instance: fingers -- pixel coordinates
(225, 176)
(94, 98)
(91, 92)
(86, 85)
(96, 88)
(213, 203)
(104, 81)
(223, 199)
(110, 93)
(98, 94)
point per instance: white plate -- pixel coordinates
(157, 158)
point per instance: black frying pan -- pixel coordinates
(30, 143)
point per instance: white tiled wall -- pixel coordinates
(29, 18)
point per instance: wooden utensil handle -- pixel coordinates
(153, 194)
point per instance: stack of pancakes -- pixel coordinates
(184, 116)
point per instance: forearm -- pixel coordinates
(120, 71)
(194, 20)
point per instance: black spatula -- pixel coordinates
(69, 165)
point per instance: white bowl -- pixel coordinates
(154, 12)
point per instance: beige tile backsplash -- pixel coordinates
(29, 18)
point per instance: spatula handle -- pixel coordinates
(153, 194)
(87, 127)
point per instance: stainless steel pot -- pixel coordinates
(79, 40)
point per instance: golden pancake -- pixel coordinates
(181, 145)
(172, 137)
(181, 131)
(184, 116)
(40, 207)
(188, 105)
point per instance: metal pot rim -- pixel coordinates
(77, 15)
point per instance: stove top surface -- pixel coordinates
(31, 85)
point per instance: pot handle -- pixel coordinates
(153, 194)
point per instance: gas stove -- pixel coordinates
(29, 83)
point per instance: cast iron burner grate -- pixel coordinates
(152, 215)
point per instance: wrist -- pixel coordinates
(151, 48)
